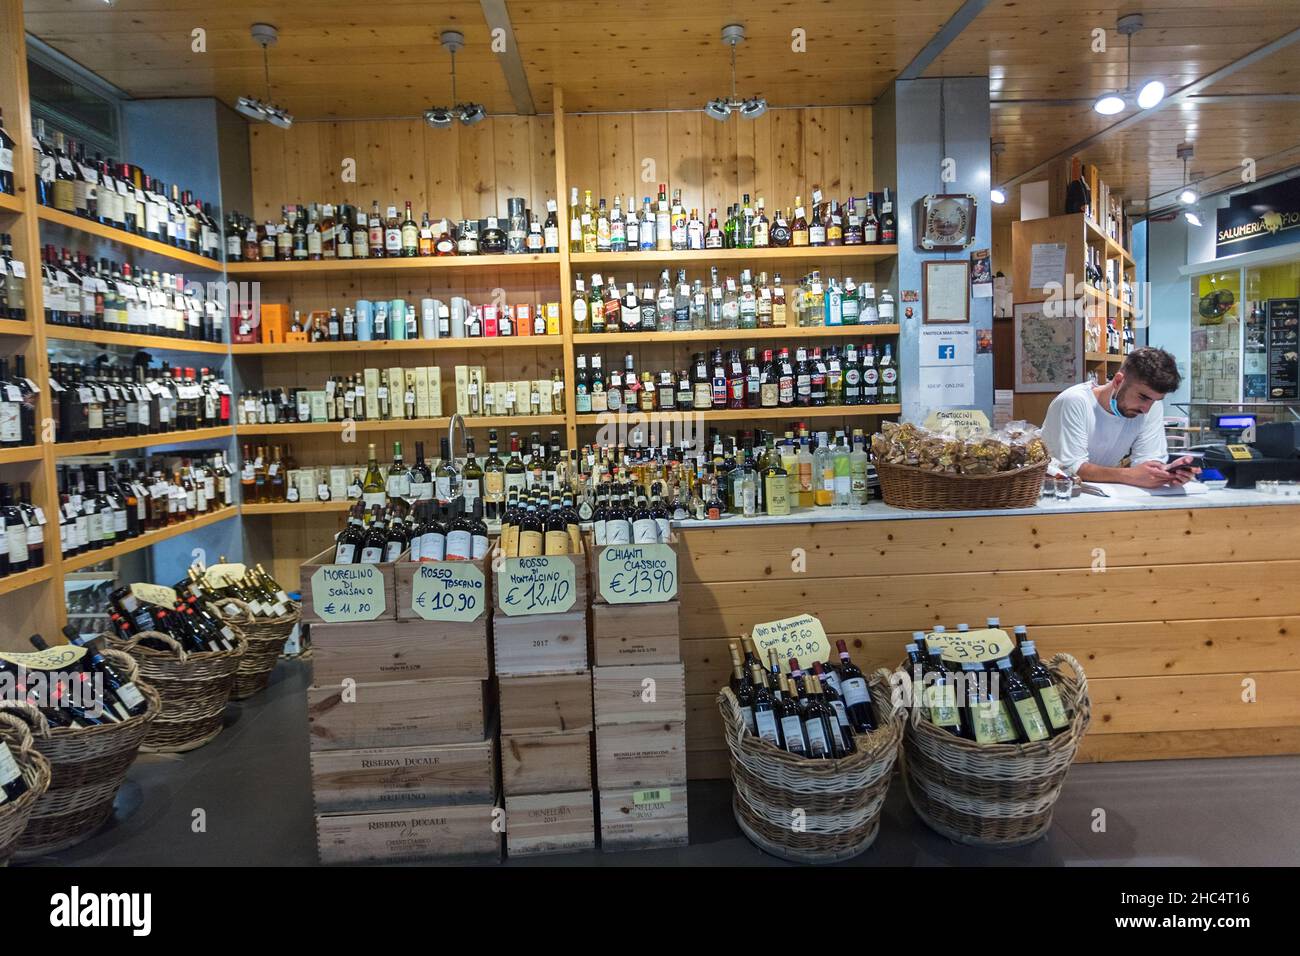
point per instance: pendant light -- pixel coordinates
(442, 117)
(1189, 196)
(1152, 92)
(264, 111)
(996, 194)
(722, 107)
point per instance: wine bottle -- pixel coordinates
(763, 707)
(791, 724)
(1029, 720)
(857, 695)
(1045, 690)
(124, 696)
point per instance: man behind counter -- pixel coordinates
(1090, 429)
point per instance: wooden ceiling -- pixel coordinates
(342, 59)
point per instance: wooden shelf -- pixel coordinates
(1098, 237)
(100, 446)
(297, 507)
(15, 327)
(403, 345)
(10, 203)
(14, 582)
(26, 453)
(1109, 299)
(76, 562)
(787, 332)
(271, 270)
(707, 256)
(1104, 357)
(69, 333)
(122, 238)
(400, 424)
(757, 414)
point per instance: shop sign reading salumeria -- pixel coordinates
(1258, 220)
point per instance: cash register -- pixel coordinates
(1251, 452)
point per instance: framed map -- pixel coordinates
(1049, 348)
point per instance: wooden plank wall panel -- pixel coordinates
(1166, 643)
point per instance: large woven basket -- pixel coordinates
(194, 688)
(840, 800)
(905, 486)
(994, 795)
(15, 815)
(87, 767)
(266, 638)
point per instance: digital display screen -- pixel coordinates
(1234, 422)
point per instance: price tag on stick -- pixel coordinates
(982, 646)
(448, 591)
(348, 592)
(539, 585)
(801, 637)
(638, 574)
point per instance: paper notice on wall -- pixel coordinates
(947, 386)
(1002, 402)
(1047, 264)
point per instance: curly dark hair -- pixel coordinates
(1156, 368)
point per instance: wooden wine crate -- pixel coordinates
(636, 756)
(635, 634)
(398, 714)
(540, 643)
(619, 694)
(501, 585)
(387, 778)
(550, 823)
(547, 703)
(466, 833)
(404, 577)
(545, 763)
(643, 818)
(396, 650)
(596, 551)
(387, 573)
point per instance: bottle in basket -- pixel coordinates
(791, 723)
(1045, 690)
(942, 711)
(857, 697)
(989, 721)
(12, 784)
(122, 694)
(833, 700)
(764, 711)
(1024, 708)
(743, 689)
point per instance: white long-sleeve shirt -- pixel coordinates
(1078, 429)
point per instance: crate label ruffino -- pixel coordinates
(448, 591)
(537, 585)
(975, 647)
(638, 574)
(801, 637)
(348, 592)
(158, 594)
(51, 659)
(224, 575)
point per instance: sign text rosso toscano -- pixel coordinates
(348, 592)
(448, 591)
(638, 574)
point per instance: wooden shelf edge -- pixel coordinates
(433, 263)
(68, 221)
(792, 414)
(401, 345)
(790, 331)
(77, 562)
(25, 453)
(770, 253)
(67, 333)
(296, 507)
(16, 582)
(12, 203)
(15, 327)
(398, 425)
(100, 446)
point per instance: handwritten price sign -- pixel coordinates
(448, 591)
(52, 658)
(986, 644)
(155, 594)
(348, 592)
(545, 585)
(801, 637)
(638, 574)
(223, 575)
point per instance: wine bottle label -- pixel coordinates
(531, 544)
(371, 555)
(557, 542)
(442, 488)
(854, 691)
(792, 728)
(600, 531)
(842, 718)
(818, 745)
(766, 726)
(1032, 719)
(1056, 714)
(9, 769)
(832, 680)
(421, 491)
(398, 486)
(393, 551)
(470, 490)
(372, 498)
(750, 724)
(344, 553)
(618, 532)
(130, 695)
(480, 545)
(433, 546)
(645, 531)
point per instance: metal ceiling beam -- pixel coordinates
(1209, 99)
(498, 18)
(958, 22)
(1186, 93)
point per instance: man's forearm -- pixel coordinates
(1119, 476)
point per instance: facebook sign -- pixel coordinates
(947, 353)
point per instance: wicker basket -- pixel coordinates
(194, 688)
(994, 795)
(87, 767)
(266, 637)
(905, 486)
(842, 799)
(35, 769)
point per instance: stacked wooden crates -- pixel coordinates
(544, 683)
(403, 760)
(639, 693)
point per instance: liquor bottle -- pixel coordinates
(857, 697)
(888, 224)
(551, 228)
(1023, 706)
(799, 227)
(888, 377)
(575, 221)
(1044, 686)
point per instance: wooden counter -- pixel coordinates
(1173, 612)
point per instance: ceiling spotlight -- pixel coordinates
(1192, 218)
(1189, 195)
(1152, 92)
(722, 108)
(264, 111)
(442, 117)
(996, 195)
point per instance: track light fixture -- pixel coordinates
(264, 111)
(996, 194)
(722, 107)
(1152, 92)
(442, 117)
(1188, 196)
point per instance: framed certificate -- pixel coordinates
(946, 287)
